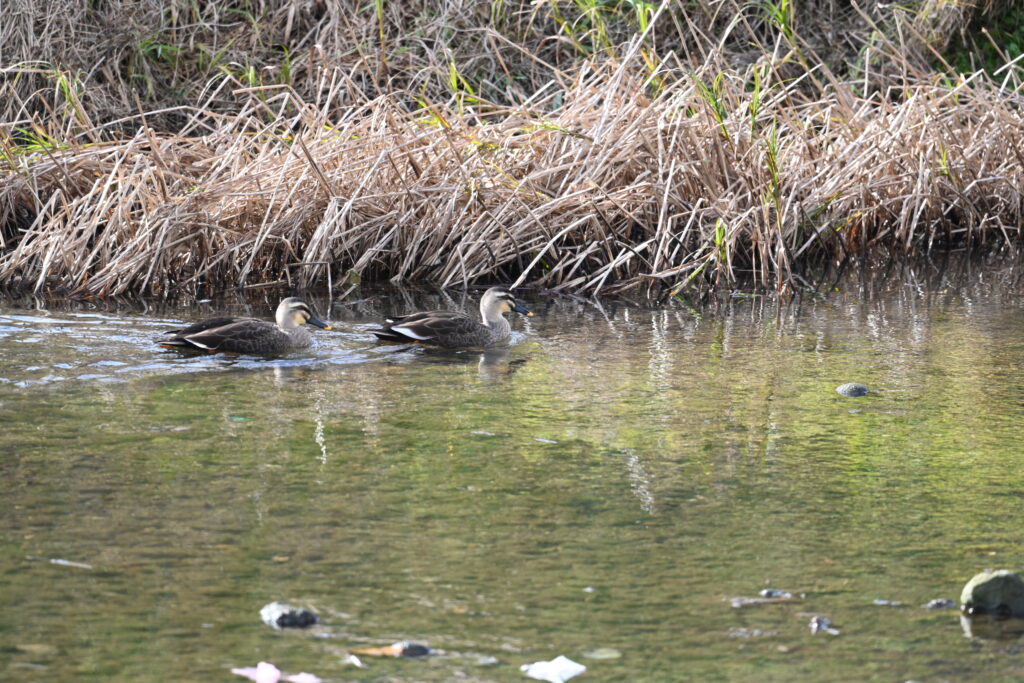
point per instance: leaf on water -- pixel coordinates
(400, 649)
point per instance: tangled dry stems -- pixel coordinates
(636, 170)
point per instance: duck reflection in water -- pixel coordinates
(495, 364)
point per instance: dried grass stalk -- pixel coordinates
(640, 170)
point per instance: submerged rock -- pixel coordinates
(744, 632)
(999, 593)
(768, 596)
(882, 602)
(939, 603)
(822, 624)
(852, 390)
(280, 615)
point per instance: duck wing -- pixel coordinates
(420, 315)
(207, 324)
(244, 335)
(445, 328)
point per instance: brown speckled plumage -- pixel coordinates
(249, 335)
(452, 329)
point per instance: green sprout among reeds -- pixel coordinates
(721, 251)
(460, 88)
(714, 97)
(36, 140)
(757, 92)
(781, 14)
(151, 48)
(771, 146)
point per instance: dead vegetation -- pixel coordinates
(656, 151)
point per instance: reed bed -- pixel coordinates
(635, 166)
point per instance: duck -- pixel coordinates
(250, 335)
(454, 329)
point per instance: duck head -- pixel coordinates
(497, 301)
(294, 312)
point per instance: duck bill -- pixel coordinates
(518, 308)
(313, 320)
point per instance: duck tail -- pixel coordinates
(389, 335)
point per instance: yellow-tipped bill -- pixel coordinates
(313, 320)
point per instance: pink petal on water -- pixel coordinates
(265, 672)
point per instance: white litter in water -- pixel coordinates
(354, 661)
(69, 563)
(558, 670)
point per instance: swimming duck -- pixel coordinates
(452, 329)
(249, 335)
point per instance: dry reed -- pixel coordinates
(639, 168)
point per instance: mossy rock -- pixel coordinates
(852, 389)
(999, 593)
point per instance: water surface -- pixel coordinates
(611, 479)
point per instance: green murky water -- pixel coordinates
(610, 480)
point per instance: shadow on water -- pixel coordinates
(608, 483)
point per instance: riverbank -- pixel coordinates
(643, 151)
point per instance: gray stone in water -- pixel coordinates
(822, 624)
(280, 615)
(852, 389)
(1000, 593)
(409, 649)
(939, 603)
